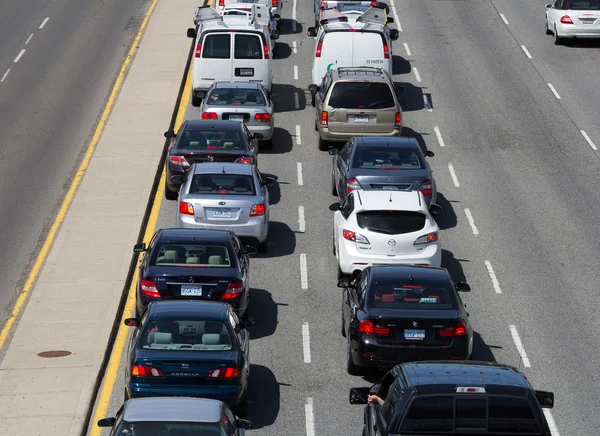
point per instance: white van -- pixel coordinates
(244, 12)
(228, 51)
(364, 41)
(274, 5)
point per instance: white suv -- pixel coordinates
(385, 228)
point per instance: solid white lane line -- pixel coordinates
(301, 221)
(295, 72)
(306, 342)
(21, 53)
(298, 137)
(396, 19)
(296, 101)
(493, 277)
(436, 129)
(300, 178)
(417, 75)
(407, 49)
(517, 340)
(294, 47)
(303, 272)
(504, 19)
(453, 175)
(309, 415)
(471, 221)
(526, 52)
(551, 422)
(29, 39)
(553, 90)
(294, 4)
(5, 74)
(44, 22)
(589, 140)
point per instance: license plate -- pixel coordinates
(587, 20)
(244, 71)
(191, 290)
(236, 118)
(390, 188)
(222, 213)
(414, 335)
(361, 119)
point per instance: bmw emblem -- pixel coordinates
(210, 157)
(414, 323)
(222, 203)
(392, 242)
(191, 280)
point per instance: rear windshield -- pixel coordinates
(217, 46)
(160, 428)
(222, 184)
(387, 159)
(361, 95)
(247, 47)
(211, 139)
(233, 96)
(391, 222)
(395, 295)
(186, 335)
(582, 5)
(173, 254)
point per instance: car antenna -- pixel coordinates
(223, 170)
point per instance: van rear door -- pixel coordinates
(251, 58)
(369, 50)
(335, 49)
(214, 64)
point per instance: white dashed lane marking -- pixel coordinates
(589, 140)
(553, 90)
(29, 39)
(306, 342)
(5, 74)
(309, 416)
(504, 19)
(517, 340)
(453, 175)
(44, 22)
(493, 277)
(298, 137)
(526, 51)
(303, 271)
(438, 134)
(471, 222)
(300, 177)
(407, 49)
(301, 221)
(19, 56)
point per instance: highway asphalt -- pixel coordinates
(58, 60)
(518, 184)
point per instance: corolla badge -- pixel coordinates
(414, 323)
(210, 158)
(222, 203)
(392, 242)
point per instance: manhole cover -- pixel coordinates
(56, 353)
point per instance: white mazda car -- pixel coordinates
(573, 19)
(385, 228)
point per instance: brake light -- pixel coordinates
(145, 371)
(274, 3)
(258, 210)
(373, 3)
(398, 119)
(179, 160)
(386, 51)
(148, 288)
(229, 372)
(318, 52)
(221, 2)
(352, 184)
(186, 208)
(460, 329)
(426, 188)
(244, 160)
(324, 118)
(369, 328)
(233, 291)
(198, 50)
(427, 239)
(565, 19)
(209, 116)
(263, 118)
(266, 51)
(355, 237)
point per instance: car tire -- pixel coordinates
(196, 101)
(548, 31)
(333, 187)
(351, 367)
(170, 195)
(557, 39)
(333, 245)
(268, 145)
(323, 146)
(343, 321)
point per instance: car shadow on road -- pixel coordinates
(412, 97)
(582, 43)
(286, 27)
(284, 100)
(281, 242)
(263, 396)
(446, 219)
(481, 350)
(454, 266)
(400, 65)
(282, 51)
(274, 189)
(407, 131)
(282, 142)
(263, 314)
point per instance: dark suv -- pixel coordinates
(454, 398)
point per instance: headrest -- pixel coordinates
(211, 339)
(192, 260)
(163, 338)
(215, 260)
(170, 255)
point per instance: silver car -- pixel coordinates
(226, 196)
(245, 102)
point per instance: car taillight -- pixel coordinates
(386, 51)
(324, 118)
(354, 237)
(198, 50)
(179, 160)
(233, 291)
(186, 208)
(229, 372)
(352, 185)
(565, 19)
(244, 160)
(148, 288)
(145, 371)
(318, 52)
(426, 188)
(210, 116)
(258, 210)
(263, 118)
(373, 3)
(369, 328)
(427, 239)
(221, 2)
(274, 3)
(266, 51)
(460, 329)
(398, 119)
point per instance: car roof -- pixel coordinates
(418, 273)
(175, 409)
(199, 235)
(189, 309)
(215, 124)
(378, 142)
(389, 200)
(238, 85)
(223, 167)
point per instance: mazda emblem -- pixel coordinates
(191, 280)
(414, 323)
(211, 158)
(185, 365)
(222, 203)
(392, 242)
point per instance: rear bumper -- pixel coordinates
(266, 131)
(232, 395)
(570, 31)
(328, 135)
(256, 227)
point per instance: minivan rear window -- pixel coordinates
(247, 47)
(217, 46)
(391, 222)
(361, 95)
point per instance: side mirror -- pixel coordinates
(244, 423)
(548, 6)
(191, 32)
(249, 249)
(343, 283)
(429, 153)
(435, 209)
(394, 32)
(178, 180)
(334, 207)
(277, 17)
(462, 287)
(359, 395)
(313, 88)
(270, 181)
(106, 422)
(545, 398)
(274, 34)
(312, 32)
(169, 134)
(333, 151)
(131, 322)
(139, 248)
(390, 20)
(258, 136)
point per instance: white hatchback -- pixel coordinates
(385, 228)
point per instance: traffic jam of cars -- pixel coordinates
(188, 360)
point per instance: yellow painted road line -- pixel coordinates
(64, 207)
(112, 369)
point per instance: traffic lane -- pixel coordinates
(47, 120)
(18, 20)
(522, 166)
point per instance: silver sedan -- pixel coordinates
(226, 196)
(245, 102)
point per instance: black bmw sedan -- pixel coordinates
(194, 264)
(394, 314)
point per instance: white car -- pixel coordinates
(275, 5)
(385, 228)
(573, 19)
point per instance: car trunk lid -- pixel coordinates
(207, 284)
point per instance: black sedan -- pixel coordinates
(207, 141)
(189, 349)
(193, 264)
(393, 314)
(394, 164)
